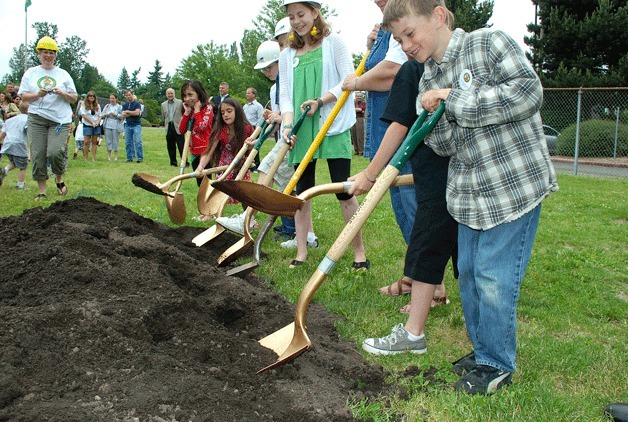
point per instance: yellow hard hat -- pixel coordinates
(47, 43)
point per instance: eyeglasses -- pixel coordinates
(91, 95)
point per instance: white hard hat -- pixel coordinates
(282, 27)
(267, 53)
(313, 3)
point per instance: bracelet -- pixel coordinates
(367, 178)
(319, 103)
(355, 84)
(288, 126)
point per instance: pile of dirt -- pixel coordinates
(107, 315)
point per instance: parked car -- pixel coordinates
(550, 137)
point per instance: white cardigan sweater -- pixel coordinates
(337, 64)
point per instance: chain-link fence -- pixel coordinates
(587, 130)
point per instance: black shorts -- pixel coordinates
(339, 171)
(433, 241)
(434, 237)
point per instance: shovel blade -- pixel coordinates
(288, 342)
(216, 202)
(208, 235)
(204, 190)
(245, 269)
(176, 208)
(235, 251)
(260, 197)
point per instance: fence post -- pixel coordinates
(616, 133)
(577, 143)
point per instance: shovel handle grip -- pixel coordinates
(416, 135)
(263, 136)
(297, 125)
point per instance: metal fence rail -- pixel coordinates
(587, 130)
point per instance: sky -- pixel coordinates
(135, 34)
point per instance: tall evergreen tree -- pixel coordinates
(583, 37)
(124, 81)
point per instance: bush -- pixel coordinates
(597, 139)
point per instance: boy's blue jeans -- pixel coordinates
(492, 264)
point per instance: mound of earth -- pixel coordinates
(109, 316)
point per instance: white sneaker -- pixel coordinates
(235, 223)
(292, 243)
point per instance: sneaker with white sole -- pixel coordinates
(396, 342)
(483, 379)
(235, 223)
(292, 243)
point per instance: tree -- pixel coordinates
(124, 82)
(469, 15)
(156, 79)
(594, 30)
(135, 81)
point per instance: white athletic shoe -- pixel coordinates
(235, 223)
(292, 243)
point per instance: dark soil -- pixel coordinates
(108, 316)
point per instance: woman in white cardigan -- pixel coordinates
(311, 72)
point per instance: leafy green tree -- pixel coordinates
(593, 31)
(471, 14)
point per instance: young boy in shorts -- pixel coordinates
(15, 146)
(433, 237)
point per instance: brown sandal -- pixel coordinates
(400, 284)
(436, 301)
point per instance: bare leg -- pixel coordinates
(349, 207)
(86, 145)
(303, 224)
(41, 186)
(439, 297)
(94, 148)
(420, 305)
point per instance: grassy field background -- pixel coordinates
(573, 353)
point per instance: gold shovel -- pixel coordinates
(174, 202)
(292, 340)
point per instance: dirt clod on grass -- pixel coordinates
(108, 316)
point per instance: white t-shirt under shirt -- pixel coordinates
(52, 107)
(15, 141)
(395, 54)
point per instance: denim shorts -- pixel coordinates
(91, 130)
(20, 162)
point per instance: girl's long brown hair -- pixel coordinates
(321, 25)
(239, 124)
(91, 104)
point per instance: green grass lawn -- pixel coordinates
(573, 354)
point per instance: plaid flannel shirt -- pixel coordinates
(500, 167)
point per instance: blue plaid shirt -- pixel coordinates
(500, 167)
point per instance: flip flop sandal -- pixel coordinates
(62, 189)
(361, 266)
(401, 283)
(295, 263)
(40, 197)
